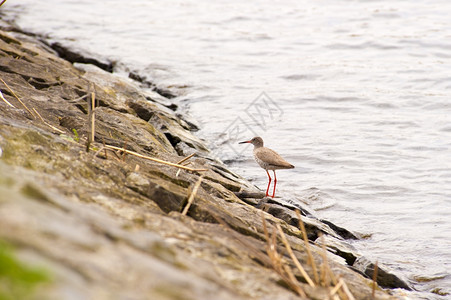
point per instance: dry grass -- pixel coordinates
(311, 260)
(91, 99)
(15, 96)
(278, 263)
(192, 195)
(92, 115)
(43, 121)
(337, 287)
(293, 257)
(4, 99)
(185, 159)
(125, 151)
(183, 162)
(34, 113)
(373, 293)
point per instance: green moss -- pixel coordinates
(34, 193)
(29, 149)
(429, 278)
(169, 292)
(163, 252)
(18, 281)
(76, 137)
(438, 291)
(30, 137)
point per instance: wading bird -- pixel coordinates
(269, 160)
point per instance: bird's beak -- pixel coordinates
(244, 142)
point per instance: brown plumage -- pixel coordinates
(268, 159)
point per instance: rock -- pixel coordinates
(343, 232)
(161, 91)
(340, 248)
(167, 195)
(75, 57)
(182, 140)
(384, 278)
(285, 210)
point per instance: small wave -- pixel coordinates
(316, 199)
(301, 77)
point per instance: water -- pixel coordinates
(357, 97)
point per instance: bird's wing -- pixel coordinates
(271, 157)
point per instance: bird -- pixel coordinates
(268, 159)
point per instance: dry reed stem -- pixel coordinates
(193, 194)
(182, 161)
(155, 159)
(116, 155)
(15, 96)
(325, 269)
(327, 272)
(336, 288)
(293, 257)
(310, 260)
(323, 274)
(93, 118)
(125, 150)
(347, 291)
(6, 101)
(1, 3)
(277, 263)
(100, 150)
(292, 281)
(185, 164)
(373, 293)
(43, 121)
(185, 159)
(103, 142)
(78, 100)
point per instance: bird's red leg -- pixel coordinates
(275, 182)
(269, 183)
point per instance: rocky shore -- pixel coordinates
(111, 224)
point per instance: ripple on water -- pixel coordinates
(301, 77)
(316, 199)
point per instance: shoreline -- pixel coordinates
(141, 204)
